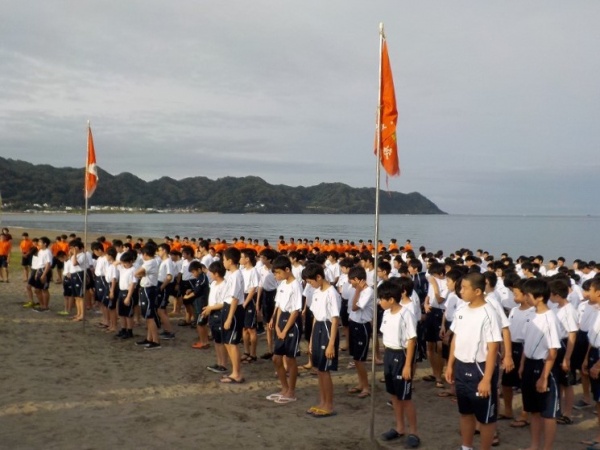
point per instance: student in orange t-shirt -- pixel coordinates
(393, 245)
(5, 248)
(26, 245)
(408, 246)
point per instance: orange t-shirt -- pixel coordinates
(64, 246)
(5, 247)
(26, 245)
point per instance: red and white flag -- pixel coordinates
(388, 117)
(91, 170)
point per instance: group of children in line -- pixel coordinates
(494, 324)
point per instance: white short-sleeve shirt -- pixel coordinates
(541, 334)
(398, 328)
(364, 313)
(289, 296)
(326, 304)
(474, 328)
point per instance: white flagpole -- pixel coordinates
(85, 217)
(376, 242)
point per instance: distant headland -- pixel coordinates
(29, 187)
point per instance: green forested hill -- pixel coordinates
(60, 187)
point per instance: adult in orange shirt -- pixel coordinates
(26, 245)
(5, 249)
(176, 244)
(291, 246)
(241, 243)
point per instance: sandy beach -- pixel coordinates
(73, 386)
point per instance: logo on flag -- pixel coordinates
(388, 117)
(91, 170)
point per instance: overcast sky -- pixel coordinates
(499, 102)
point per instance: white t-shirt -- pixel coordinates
(207, 260)
(81, 261)
(326, 304)
(493, 300)
(443, 287)
(111, 273)
(587, 315)
(234, 287)
(151, 277)
(474, 328)
(541, 334)
(250, 278)
(567, 319)
(267, 280)
(345, 288)
(166, 268)
(594, 332)
(371, 275)
(126, 277)
(365, 304)
(518, 319)
(289, 296)
(398, 328)
(453, 302)
(308, 293)
(67, 269)
(297, 272)
(216, 294)
(101, 265)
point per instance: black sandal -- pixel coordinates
(564, 420)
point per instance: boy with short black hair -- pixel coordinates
(213, 313)
(148, 275)
(288, 330)
(166, 282)
(563, 372)
(324, 341)
(197, 296)
(472, 362)
(399, 331)
(265, 302)
(251, 278)
(434, 308)
(126, 300)
(233, 313)
(541, 343)
(112, 281)
(360, 308)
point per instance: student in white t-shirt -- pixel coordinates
(399, 330)
(360, 308)
(541, 342)
(213, 313)
(563, 372)
(472, 362)
(434, 309)
(592, 364)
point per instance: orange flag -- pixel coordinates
(91, 170)
(388, 117)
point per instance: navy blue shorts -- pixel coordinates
(216, 326)
(199, 304)
(579, 350)
(148, 303)
(393, 364)
(563, 378)
(37, 280)
(125, 310)
(467, 377)
(360, 335)
(250, 314)
(321, 335)
(593, 358)
(267, 305)
(77, 283)
(546, 403)
(100, 290)
(233, 336)
(344, 314)
(67, 287)
(433, 325)
(289, 346)
(512, 379)
(163, 296)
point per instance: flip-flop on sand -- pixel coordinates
(229, 380)
(285, 400)
(321, 413)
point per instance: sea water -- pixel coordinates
(551, 236)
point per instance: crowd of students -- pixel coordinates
(487, 325)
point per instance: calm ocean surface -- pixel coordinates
(552, 236)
